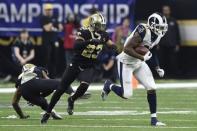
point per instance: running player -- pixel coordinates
(89, 43)
(130, 63)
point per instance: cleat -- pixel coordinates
(45, 118)
(70, 106)
(155, 122)
(55, 115)
(87, 95)
(106, 90)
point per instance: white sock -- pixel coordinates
(154, 115)
(110, 86)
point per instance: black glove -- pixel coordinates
(96, 41)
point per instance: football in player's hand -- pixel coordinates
(142, 50)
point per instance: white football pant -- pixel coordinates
(141, 72)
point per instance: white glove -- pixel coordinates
(56, 44)
(160, 72)
(147, 56)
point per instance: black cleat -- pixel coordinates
(106, 90)
(45, 118)
(70, 106)
(155, 122)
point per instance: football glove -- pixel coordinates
(96, 41)
(160, 72)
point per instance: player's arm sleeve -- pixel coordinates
(81, 41)
(79, 44)
(15, 103)
(141, 30)
(154, 61)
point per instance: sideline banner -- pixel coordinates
(18, 14)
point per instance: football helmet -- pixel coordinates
(97, 22)
(28, 67)
(158, 24)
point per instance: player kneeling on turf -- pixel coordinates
(132, 62)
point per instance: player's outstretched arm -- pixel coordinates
(133, 42)
(111, 45)
(15, 101)
(155, 62)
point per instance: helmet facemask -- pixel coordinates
(99, 27)
(97, 22)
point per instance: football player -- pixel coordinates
(89, 43)
(34, 85)
(130, 62)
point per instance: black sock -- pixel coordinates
(117, 90)
(55, 98)
(152, 101)
(80, 91)
(44, 104)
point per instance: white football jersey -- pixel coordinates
(149, 40)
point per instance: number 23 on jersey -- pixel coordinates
(92, 51)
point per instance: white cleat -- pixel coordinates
(160, 124)
(55, 115)
(155, 122)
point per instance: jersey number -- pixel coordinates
(92, 51)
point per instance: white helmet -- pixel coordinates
(158, 24)
(97, 22)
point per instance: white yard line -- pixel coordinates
(101, 126)
(125, 113)
(99, 87)
(110, 119)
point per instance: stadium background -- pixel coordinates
(138, 10)
(177, 98)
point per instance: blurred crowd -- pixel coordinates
(23, 51)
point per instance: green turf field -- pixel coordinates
(177, 108)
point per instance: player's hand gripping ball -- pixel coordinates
(142, 50)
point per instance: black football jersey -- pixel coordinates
(88, 55)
